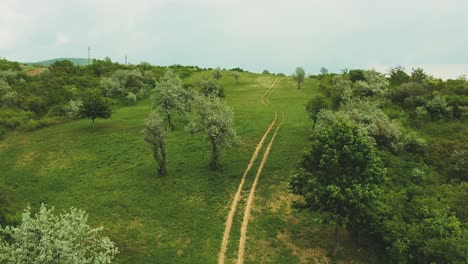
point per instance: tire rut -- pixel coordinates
(237, 196)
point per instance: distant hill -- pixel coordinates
(76, 61)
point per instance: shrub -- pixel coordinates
(47, 238)
(438, 108)
(11, 119)
(72, 109)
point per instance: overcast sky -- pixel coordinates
(251, 34)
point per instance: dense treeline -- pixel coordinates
(29, 102)
(417, 124)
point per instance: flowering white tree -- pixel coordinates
(217, 120)
(169, 96)
(155, 135)
(48, 238)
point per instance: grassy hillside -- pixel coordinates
(110, 173)
(76, 61)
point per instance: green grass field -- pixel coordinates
(110, 173)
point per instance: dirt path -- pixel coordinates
(237, 196)
(248, 207)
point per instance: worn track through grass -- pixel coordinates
(228, 226)
(250, 200)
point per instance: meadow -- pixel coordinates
(109, 172)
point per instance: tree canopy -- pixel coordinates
(340, 174)
(95, 106)
(216, 119)
(48, 238)
(299, 76)
(169, 96)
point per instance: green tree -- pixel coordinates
(323, 71)
(155, 135)
(217, 74)
(438, 108)
(210, 87)
(299, 76)
(95, 106)
(314, 106)
(341, 90)
(48, 238)
(340, 175)
(418, 75)
(398, 76)
(236, 76)
(169, 96)
(216, 119)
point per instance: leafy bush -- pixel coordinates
(72, 109)
(438, 108)
(11, 119)
(33, 124)
(131, 98)
(47, 238)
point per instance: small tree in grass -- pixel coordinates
(215, 118)
(95, 106)
(299, 76)
(211, 87)
(62, 239)
(236, 76)
(217, 73)
(155, 135)
(340, 175)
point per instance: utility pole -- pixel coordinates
(125, 59)
(89, 55)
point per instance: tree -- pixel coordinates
(217, 73)
(342, 90)
(47, 238)
(168, 96)
(299, 76)
(340, 175)
(217, 120)
(314, 106)
(323, 70)
(95, 106)
(211, 87)
(236, 76)
(155, 135)
(266, 72)
(375, 83)
(438, 108)
(418, 75)
(398, 76)
(356, 75)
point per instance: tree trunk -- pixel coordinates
(169, 121)
(93, 122)
(157, 157)
(337, 240)
(214, 164)
(163, 165)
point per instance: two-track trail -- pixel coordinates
(234, 204)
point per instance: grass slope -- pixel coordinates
(180, 218)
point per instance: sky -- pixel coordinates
(252, 34)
